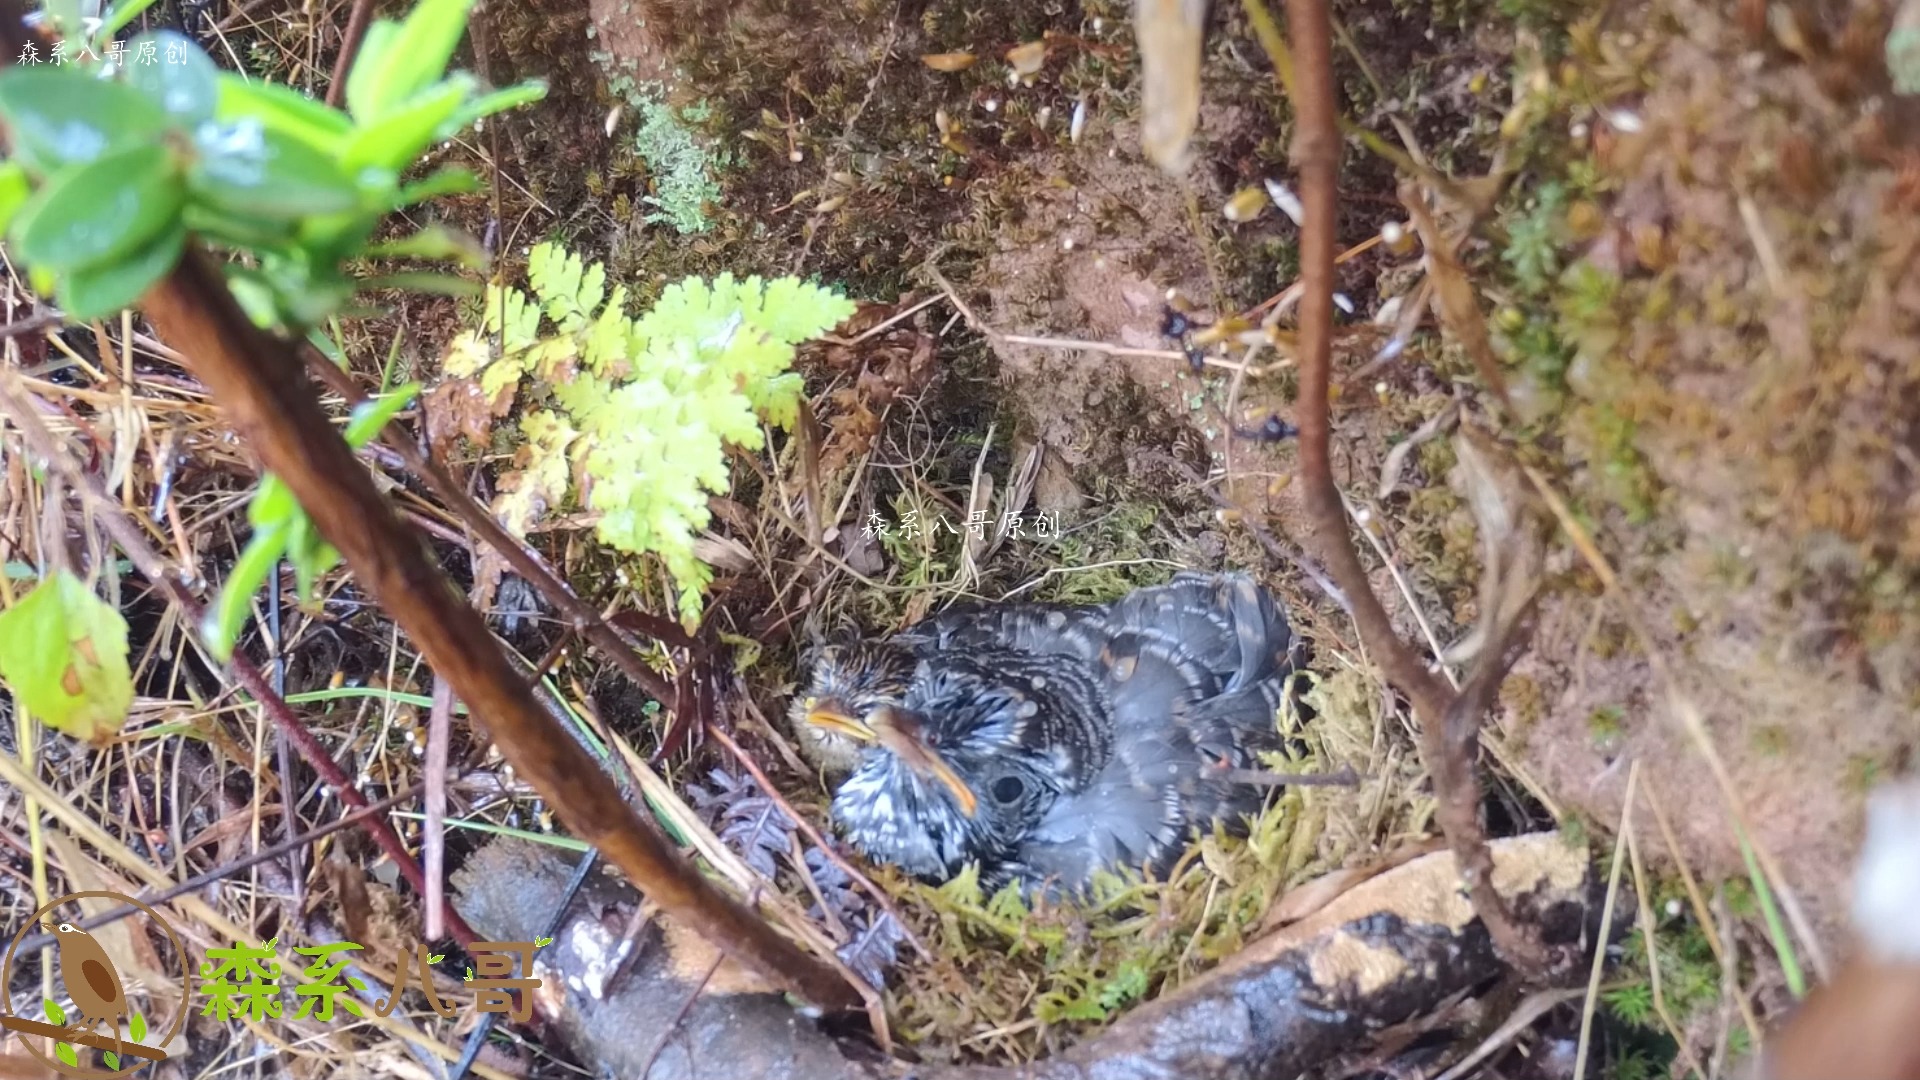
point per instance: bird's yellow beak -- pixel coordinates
(900, 734)
(831, 714)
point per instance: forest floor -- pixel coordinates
(1687, 235)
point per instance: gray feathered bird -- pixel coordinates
(1046, 742)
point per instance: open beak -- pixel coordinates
(830, 714)
(901, 735)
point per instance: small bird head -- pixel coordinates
(847, 683)
(945, 781)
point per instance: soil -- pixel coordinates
(1767, 537)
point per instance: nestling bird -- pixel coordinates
(91, 980)
(1046, 742)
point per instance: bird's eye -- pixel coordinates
(1008, 789)
(66, 928)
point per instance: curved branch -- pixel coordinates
(258, 382)
(1308, 75)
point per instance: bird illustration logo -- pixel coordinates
(92, 982)
(94, 986)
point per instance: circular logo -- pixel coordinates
(99, 1001)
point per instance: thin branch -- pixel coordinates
(1447, 731)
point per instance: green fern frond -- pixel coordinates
(646, 407)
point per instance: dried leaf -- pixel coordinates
(1169, 33)
(1512, 538)
(455, 408)
(949, 61)
(1454, 299)
(874, 949)
(1303, 900)
(1027, 59)
(1245, 205)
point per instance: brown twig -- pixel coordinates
(257, 380)
(1448, 723)
(349, 48)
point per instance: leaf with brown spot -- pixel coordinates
(63, 651)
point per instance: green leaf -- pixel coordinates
(367, 67)
(220, 626)
(13, 191)
(99, 212)
(65, 1053)
(310, 555)
(112, 1059)
(414, 58)
(237, 230)
(118, 17)
(63, 651)
(56, 1014)
(248, 168)
(60, 116)
(448, 181)
(65, 16)
(372, 415)
(284, 110)
(102, 290)
(188, 90)
(273, 503)
(399, 135)
(497, 101)
(137, 1027)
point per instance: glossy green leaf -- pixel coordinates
(55, 1014)
(63, 652)
(247, 168)
(66, 1054)
(220, 626)
(112, 1059)
(416, 58)
(511, 97)
(368, 64)
(137, 1027)
(60, 117)
(399, 135)
(99, 291)
(94, 214)
(13, 191)
(116, 20)
(187, 90)
(284, 110)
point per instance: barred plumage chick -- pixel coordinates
(1046, 742)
